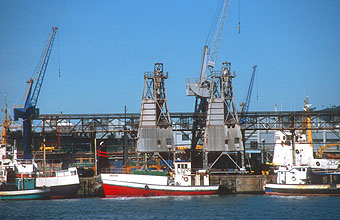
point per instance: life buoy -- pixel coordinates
(293, 178)
(146, 187)
(186, 179)
(297, 151)
(317, 163)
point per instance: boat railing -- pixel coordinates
(117, 170)
(46, 174)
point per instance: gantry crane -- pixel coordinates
(200, 88)
(29, 110)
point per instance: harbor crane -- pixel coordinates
(245, 105)
(200, 87)
(29, 111)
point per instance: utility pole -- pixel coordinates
(95, 155)
(125, 149)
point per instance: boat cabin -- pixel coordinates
(182, 173)
(294, 175)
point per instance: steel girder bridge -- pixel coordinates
(104, 124)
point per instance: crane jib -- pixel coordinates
(29, 110)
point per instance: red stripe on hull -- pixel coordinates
(122, 191)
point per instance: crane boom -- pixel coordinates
(218, 37)
(200, 88)
(29, 110)
(245, 105)
(42, 67)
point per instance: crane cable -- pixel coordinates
(59, 54)
(239, 16)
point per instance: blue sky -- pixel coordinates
(106, 46)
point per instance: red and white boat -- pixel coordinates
(180, 183)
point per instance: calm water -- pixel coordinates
(205, 207)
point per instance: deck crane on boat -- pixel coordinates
(245, 105)
(29, 110)
(307, 123)
(200, 87)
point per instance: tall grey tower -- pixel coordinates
(155, 131)
(222, 130)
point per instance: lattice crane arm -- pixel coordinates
(209, 62)
(218, 37)
(32, 98)
(250, 89)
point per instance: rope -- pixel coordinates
(59, 53)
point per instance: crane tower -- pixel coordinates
(200, 87)
(155, 126)
(222, 130)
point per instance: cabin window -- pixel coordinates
(226, 142)
(303, 169)
(168, 141)
(185, 138)
(253, 144)
(178, 166)
(158, 142)
(237, 140)
(185, 166)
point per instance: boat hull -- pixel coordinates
(64, 192)
(121, 188)
(302, 189)
(64, 184)
(26, 194)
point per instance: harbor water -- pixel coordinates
(186, 207)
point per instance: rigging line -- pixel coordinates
(239, 16)
(257, 87)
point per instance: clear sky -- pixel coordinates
(105, 47)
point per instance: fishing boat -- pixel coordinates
(60, 183)
(30, 194)
(63, 183)
(18, 186)
(158, 183)
(301, 180)
(298, 172)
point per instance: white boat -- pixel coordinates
(63, 183)
(301, 154)
(298, 172)
(300, 180)
(15, 185)
(158, 184)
